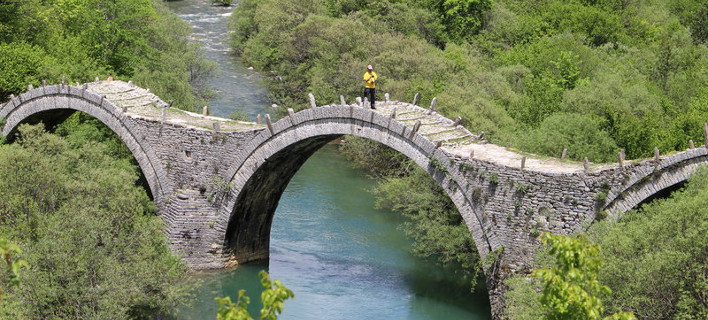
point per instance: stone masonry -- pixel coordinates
(217, 182)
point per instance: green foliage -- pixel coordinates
(240, 115)
(529, 63)
(379, 160)
(462, 18)
(80, 129)
(437, 165)
(433, 222)
(580, 134)
(521, 189)
(218, 188)
(661, 276)
(601, 197)
(534, 233)
(129, 39)
(494, 178)
(229, 310)
(11, 255)
(224, 3)
(522, 298)
(631, 69)
(272, 298)
(571, 288)
(95, 248)
(601, 215)
(23, 64)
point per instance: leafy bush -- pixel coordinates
(272, 298)
(662, 276)
(571, 289)
(580, 134)
(22, 64)
(94, 246)
(657, 277)
(129, 39)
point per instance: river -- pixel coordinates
(342, 258)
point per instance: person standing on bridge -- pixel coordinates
(370, 78)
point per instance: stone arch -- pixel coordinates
(59, 101)
(271, 159)
(650, 177)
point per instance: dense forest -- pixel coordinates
(592, 76)
(539, 75)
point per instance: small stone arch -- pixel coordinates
(59, 101)
(271, 159)
(650, 177)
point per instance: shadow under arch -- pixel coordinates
(52, 105)
(660, 180)
(273, 157)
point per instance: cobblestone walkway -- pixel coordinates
(141, 102)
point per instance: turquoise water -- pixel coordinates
(237, 86)
(343, 259)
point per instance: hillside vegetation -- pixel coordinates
(592, 76)
(73, 201)
(95, 248)
(655, 260)
(83, 39)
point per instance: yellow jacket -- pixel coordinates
(370, 79)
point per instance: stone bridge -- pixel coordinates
(217, 182)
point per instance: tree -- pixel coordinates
(580, 134)
(272, 298)
(571, 289)
(10, 255)
(81, 39)
(462, 18)
(22, 64)
(662, 276)
(96, 249)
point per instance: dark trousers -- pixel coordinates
(370, 93)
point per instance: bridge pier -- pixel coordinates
(191, 222)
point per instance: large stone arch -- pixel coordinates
(649, 177)
(58, 101)
(270, 160)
